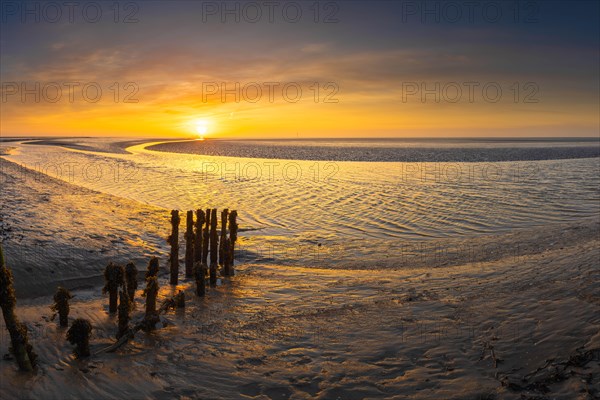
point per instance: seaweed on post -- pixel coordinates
(151, 292)
(21, 348)
(152, 268)
(114, 276)
(131, 276)
(79, 335)
(61, 305)
(124, 308)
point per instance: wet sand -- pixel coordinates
(272, 332)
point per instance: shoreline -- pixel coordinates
(241, 149)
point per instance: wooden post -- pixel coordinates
(124, 307)
(151, 292)
(198, 239)
(189, 244)
(179, 299)
(79, 335)
(152, 268)
(233, 230)
(200, 276)
(61, 305)
(214, 248)
(21, 348)
(114, 276)
(206, 237)
(224, 215)
(227, 257)
(131, 276)
(174, 242)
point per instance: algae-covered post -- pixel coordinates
(124, 307)
(189, 244)
(151, 292)
(61, 305)
(79, 335)
(198, 239)
(114, 275)
(152, 268)
(214, 246)
(233, 230)
(206, 237)
(200, 276)
(21, 348)
(131, 275)
(174, 242)
(224, 215)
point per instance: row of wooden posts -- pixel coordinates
(202, 240)
(121, 284)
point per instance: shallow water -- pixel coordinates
(300, 210)
(338, 200)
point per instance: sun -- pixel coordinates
(201, 127)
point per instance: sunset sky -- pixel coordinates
(369, 61)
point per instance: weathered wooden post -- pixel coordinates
(21, 348)
(152, 268)
(189, 245)
(131, 276)
(224, 215)
(124, 307)
(61, 305)
(200, 276)
(198, 239)
(214, 248)
(174, 242)
(151, 292)
(79, 335)
(206, 237)
(179, 299)
(227, 257)
(114, 275)
(233, 230)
